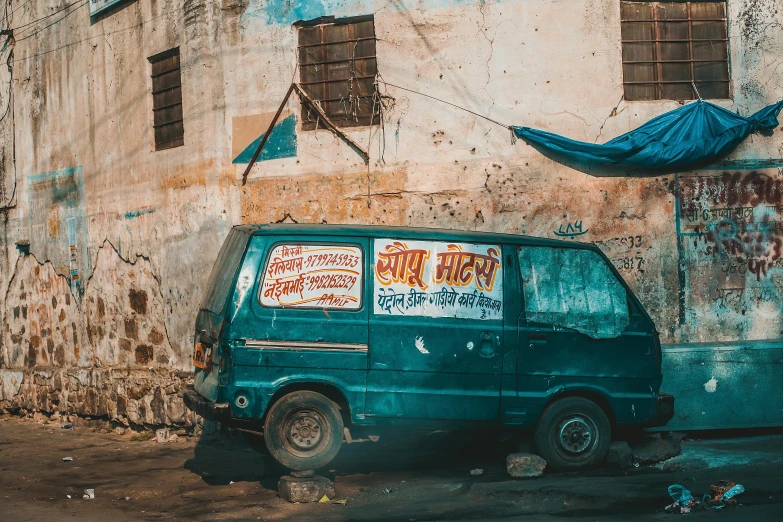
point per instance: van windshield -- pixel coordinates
(224, 270)
(573, 288)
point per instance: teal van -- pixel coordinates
(306, 330)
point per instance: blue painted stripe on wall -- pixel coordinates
(281, 143)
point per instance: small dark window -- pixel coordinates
(670, 46)
(337, 69)
(167, 100)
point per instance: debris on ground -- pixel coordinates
(476, 472)
(683, 500)
(89, 494)
(521, 465)
(119, 431)
(143, 436)
(162, 435)
(387, 490)
(723, 495)
(324, 500)
(67, 459)
(655, 449)
(67, 427)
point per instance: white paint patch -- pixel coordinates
(470, 345)
(711, 385)
(10, 382)
(420, 345)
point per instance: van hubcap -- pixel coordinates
(304, 430)
(576, 435)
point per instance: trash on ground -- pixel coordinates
(88, 494)
(733, 492)
(723, 487)
(67, 427)
(342, 501)
(683, 500)
(324, 500)
(162, 435)
(67, 459)
(723, 495)
(69, 496)
(387, 490)
(476, 472)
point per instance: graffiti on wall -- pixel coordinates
(425, 278)
(58, 223)
(731, 239)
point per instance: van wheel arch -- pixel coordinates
(329, 391)
(593, 396)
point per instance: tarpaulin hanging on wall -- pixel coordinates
(690, 137)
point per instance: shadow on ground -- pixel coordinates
(222, 455)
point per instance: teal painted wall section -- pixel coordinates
(57, 212)
(281, 143)
(724, 385)
(286, 12)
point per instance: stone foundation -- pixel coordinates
(125, 396)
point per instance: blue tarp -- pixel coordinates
(690, 137)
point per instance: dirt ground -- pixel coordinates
(426, 478)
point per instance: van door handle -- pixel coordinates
(489, 342)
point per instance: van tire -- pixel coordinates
(573, 434)
(303, 430)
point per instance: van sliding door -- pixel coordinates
(436, 330)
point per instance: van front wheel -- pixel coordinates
(573, 434)
(303, 430)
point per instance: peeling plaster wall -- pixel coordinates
(119, 343)
(110, 334)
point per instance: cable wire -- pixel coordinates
(447, 103)
(140, 24)
(53, 23)
(45, 17)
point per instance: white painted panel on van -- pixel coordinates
(438, 279)
(313, 276)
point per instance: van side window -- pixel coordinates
(572, 288)
(225, 268)
(323, 276)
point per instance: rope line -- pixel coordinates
(447, 103)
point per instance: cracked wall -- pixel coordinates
(110, 302)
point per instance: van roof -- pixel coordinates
(375, 231)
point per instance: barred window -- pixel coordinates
(167, 100)
(670, 46)
(337, 67)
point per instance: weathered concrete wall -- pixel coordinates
(141, 228)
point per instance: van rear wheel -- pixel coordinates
(303, 430)
(573, 434)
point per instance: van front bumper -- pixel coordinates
(208, 409)
(664, 410)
